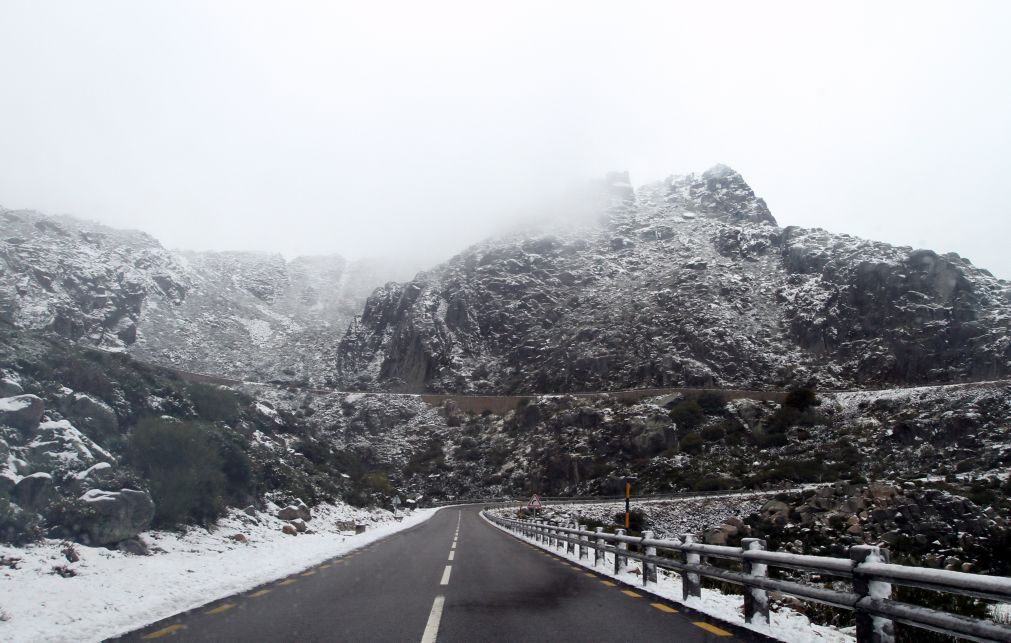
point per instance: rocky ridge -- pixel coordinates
(198, 311)
(684, 282)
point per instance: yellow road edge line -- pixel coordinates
(712, 629)
(325, 565)
(628, 592)
(259, 593)
(221, 608)
(666, 609)
(289, 581)
(157, 634)
(609, 583)
(590, 575)
(308, 573)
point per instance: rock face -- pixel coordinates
(116, 515)
(687, 282)
(121, 290)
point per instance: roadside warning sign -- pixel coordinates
(535, 502)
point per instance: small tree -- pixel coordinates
(687, 414)
(801, 399)
(183, 468)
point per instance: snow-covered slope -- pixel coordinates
(239, 314)
(687, 281)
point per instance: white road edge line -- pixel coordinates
(452, 554)
(432, 627)
(445, 575)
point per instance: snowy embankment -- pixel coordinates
(784, 624)
(112, 592)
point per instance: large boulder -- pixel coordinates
(34, 492)
(113, 516)
(23, 412)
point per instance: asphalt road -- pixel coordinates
(452, 578)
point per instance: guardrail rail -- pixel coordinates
(867, 569)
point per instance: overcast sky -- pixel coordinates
(416, 128)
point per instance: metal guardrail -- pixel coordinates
(867, 569)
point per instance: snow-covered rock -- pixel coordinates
(115, 515)
(22, 412)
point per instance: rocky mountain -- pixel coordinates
(684, 282)
(198, 311)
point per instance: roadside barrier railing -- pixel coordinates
(867, 569)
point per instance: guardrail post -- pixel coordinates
(620, 562)
(691, 583)
(871, 629)
(756, 601)
(570, 547)
(598, 551)
(648, 569)
(582, 542)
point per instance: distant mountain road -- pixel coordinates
(452, 578)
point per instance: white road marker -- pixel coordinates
(445, 575)
(432, 627)
(452, 554)
(453, 546)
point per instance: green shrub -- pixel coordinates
(68, 517)
(687, 414)
(215, 403)
(691, 443)
(17, 527)
(712, 403)
(713, 433)
(183, 467)
(801, 399)
(636, 519)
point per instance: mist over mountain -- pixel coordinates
(683, 282)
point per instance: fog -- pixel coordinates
(413, 129)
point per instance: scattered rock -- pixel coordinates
(299, 524)
(289, 529)
(239, 538)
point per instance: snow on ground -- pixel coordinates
(784, 625)
(113, 592)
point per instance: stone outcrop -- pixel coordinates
(113, 516)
